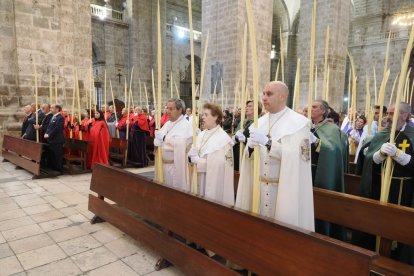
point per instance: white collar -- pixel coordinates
(276, 115)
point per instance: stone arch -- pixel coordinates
(281, 22)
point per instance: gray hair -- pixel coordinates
(405, 108)
(179, 104)
(325, 107)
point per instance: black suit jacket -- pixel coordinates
(30, 132)
(55, 130)
(25, 123)
(45, 122)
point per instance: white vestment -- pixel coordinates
(286, 192)
(215, 167)
(178, 137)
(365, 137)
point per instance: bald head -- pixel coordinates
(275, 96)
(27, 109)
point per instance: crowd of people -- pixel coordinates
(294, 153)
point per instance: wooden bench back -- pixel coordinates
(259, 245)
(358, 213)
(77, 145)
(23, 153)
(371, 216)
(26, 148)
(352, 184)
(118, 143)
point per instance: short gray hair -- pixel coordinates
(325, 107)
(179, 104)
(405, 108)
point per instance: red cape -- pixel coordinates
(98, 144)
(142, 121)
(122, 122)
(152, 126)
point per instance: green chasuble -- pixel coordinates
(330, 159)
(371, 185)
(377, 141)
(329, 163)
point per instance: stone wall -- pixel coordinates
(111, 53)
(53, 35)
(334, 13)
(371, 22)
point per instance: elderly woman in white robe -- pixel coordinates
(213, 154)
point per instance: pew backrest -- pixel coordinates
(76, 145)
(371, 216)
(257, 244)
(23, 153)
(118, 143)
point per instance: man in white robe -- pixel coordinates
(282, 136)
(175, 138)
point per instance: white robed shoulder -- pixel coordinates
(176, 144)
(291, 199)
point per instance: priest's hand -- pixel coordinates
(388, 149)
(402, 158)
(251, 144)
(313, 139)
(193, 156)
(157, 142)
(159, 135)
(378, 157)
(258, 137)
(240, 136)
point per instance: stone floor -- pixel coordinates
(45, 230)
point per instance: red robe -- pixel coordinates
(122, 127)
(85, 129)
(107, 115)
(142, 121)
(66, 129)
(164, 119)
(152, 126)
(122, 122)
(98, 144)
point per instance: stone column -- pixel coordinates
(225, 20)
(142, 19)
(336, 14)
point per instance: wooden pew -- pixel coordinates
(118, 149)
(263, 246)
(76, 152)
(352, 184)
(389, 221)
(25, 154)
